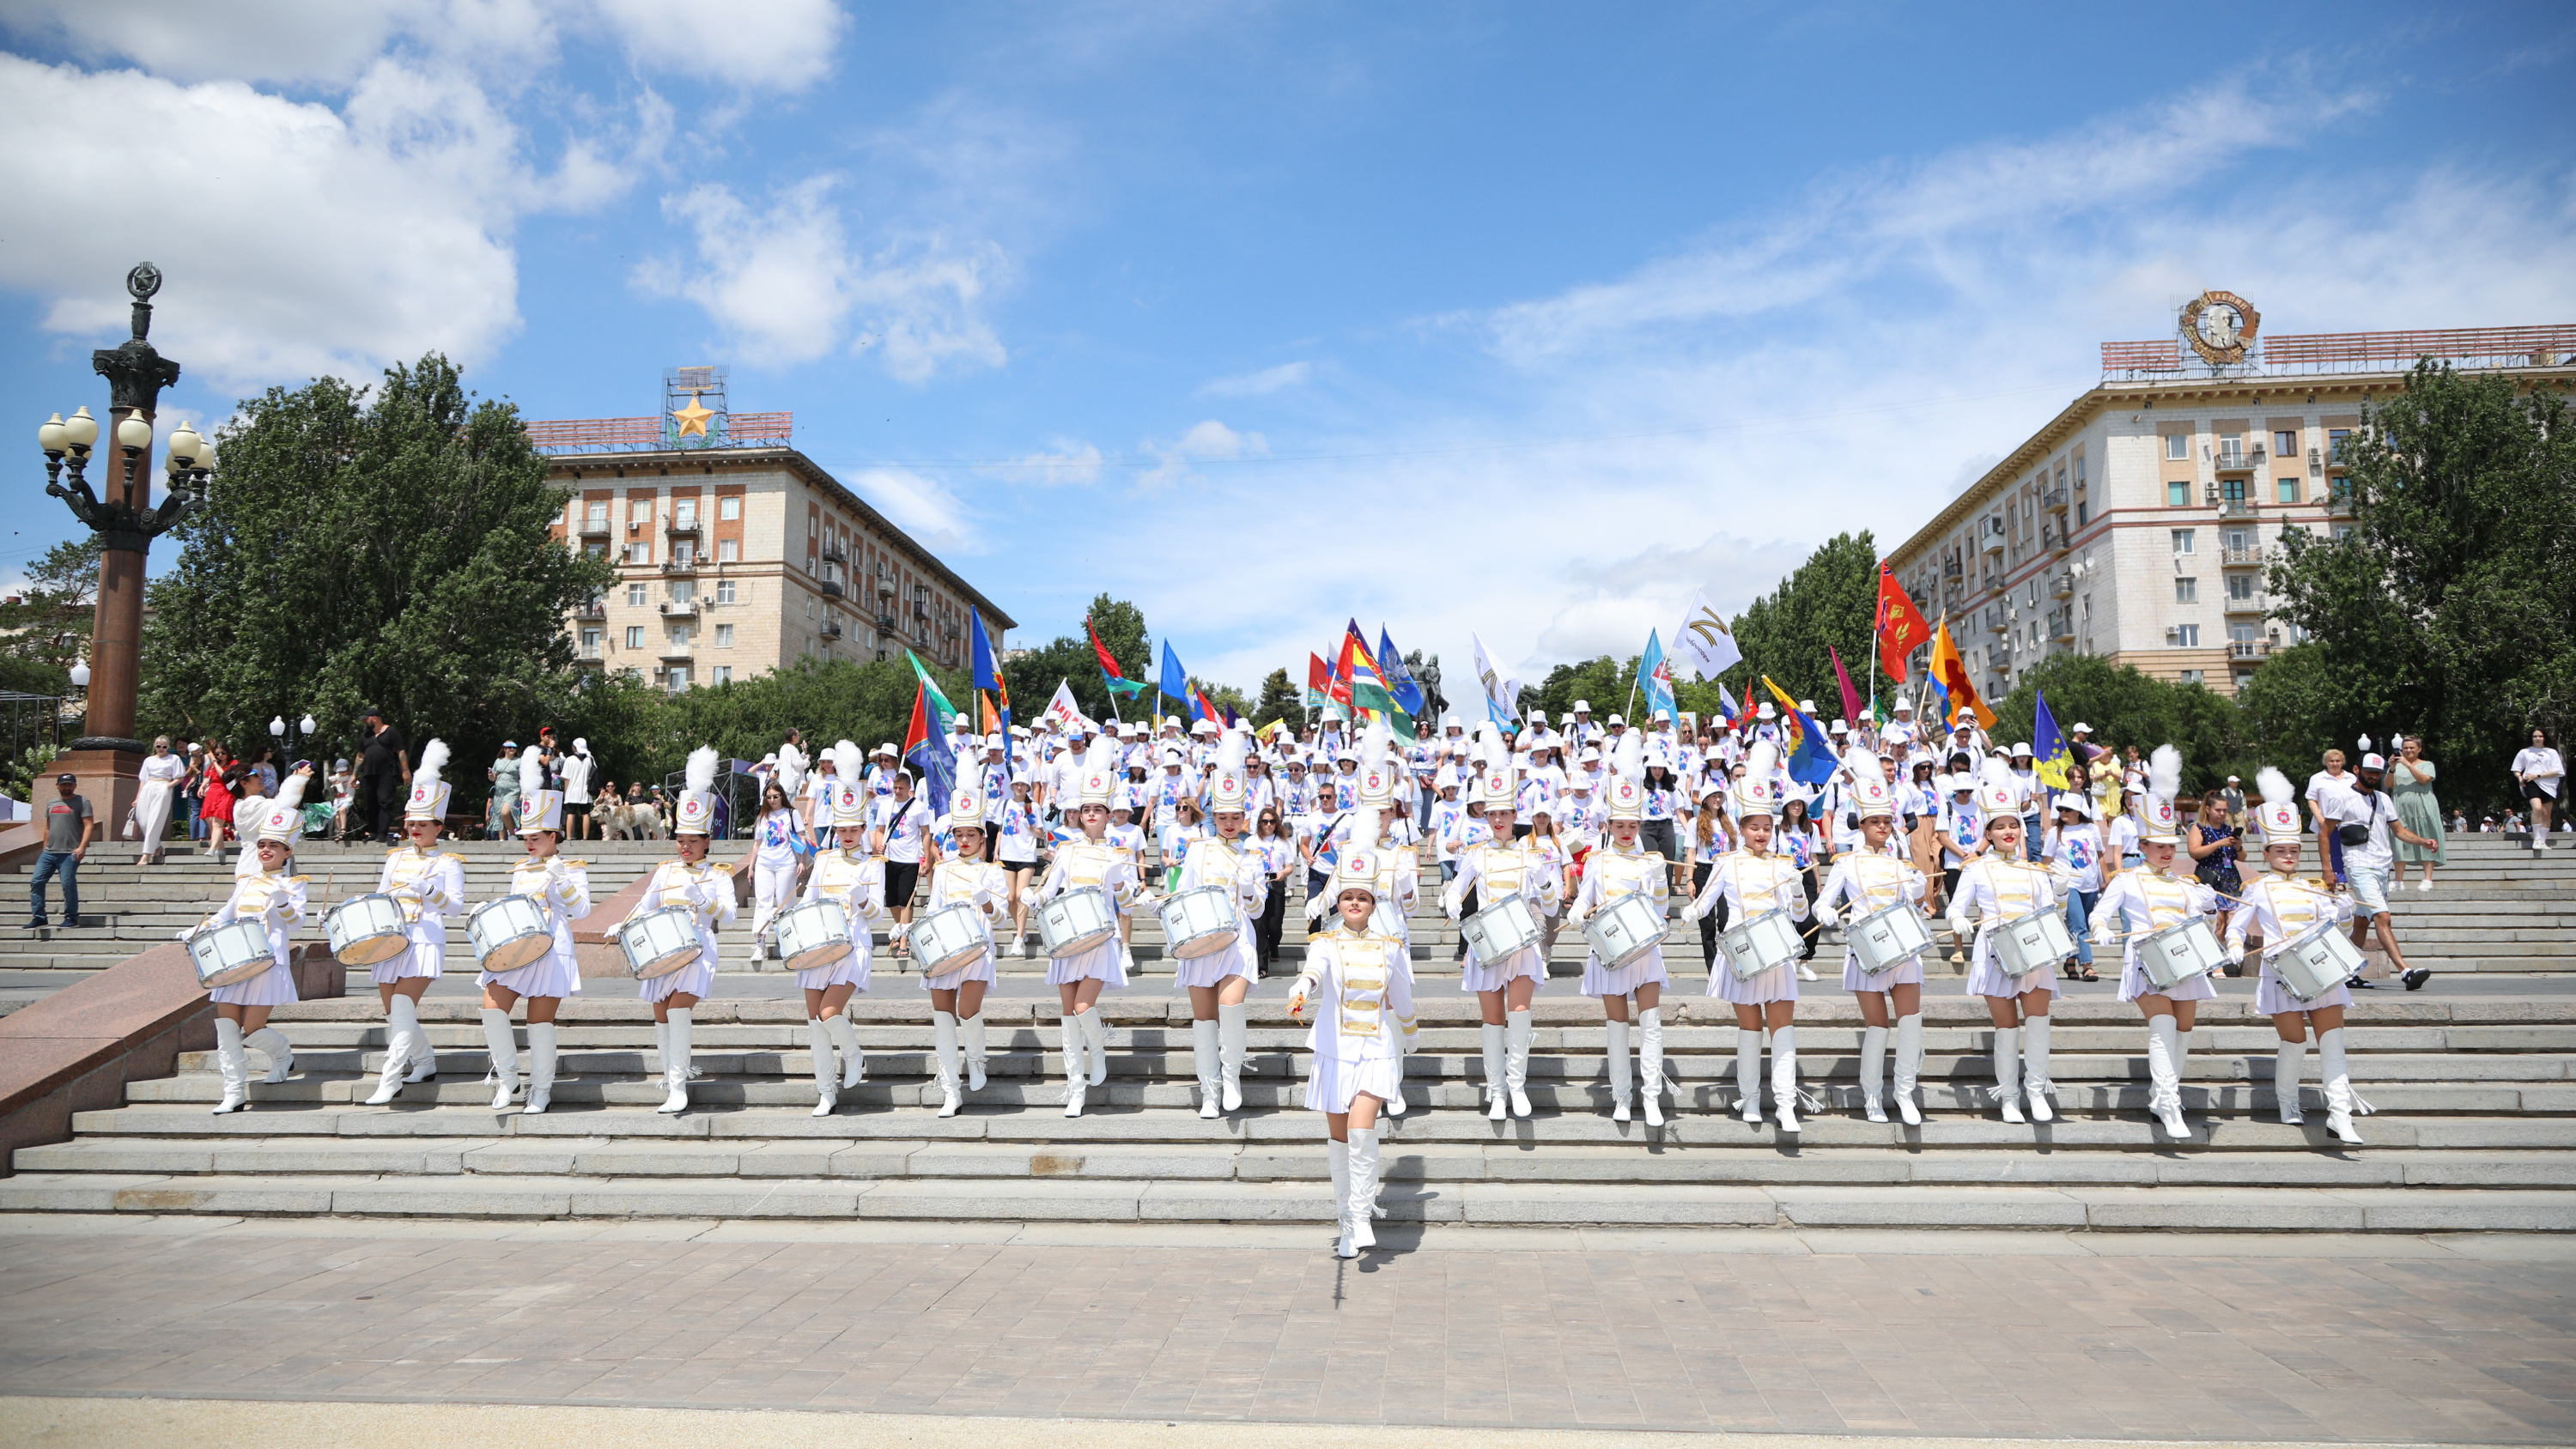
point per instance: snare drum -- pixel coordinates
(1200, 922)
(2317, 961)
(1076, 921)
(230, 954)
(1888, 938)
(813, 935)
(949, 939)
(1504, 929)
(2179, 955)
(658, 943)
(1760, 943)
(1624, 930)
(509, 933)
(366, 929)
(2036, 942)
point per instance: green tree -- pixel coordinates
(2126, 708)
(1830, 601)
(1601, 681)
(867, 704)
(382, 545)
(2445, 610)
(1279, 700)
(49, 623)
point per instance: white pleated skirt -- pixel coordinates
(2272, 998)
(2135, 983)
(1646, 970)
(554, 974)
(272, 987)
(1100, 963)
(851, 970)
(979, 969)
(1986, 975)
(698, 978)
(1336, 1082)
(1780, 983)
(1909, 973)
(428, 951)
(1475, 975)
(1238, 959)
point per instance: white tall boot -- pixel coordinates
(1077, 1064)
(1095, 1036)
(1650, 1062)
(281, 1053)
(972, 1029)
(1873, 1058)
(845, 1035)
(401, 1021)
(2007, 1051)
(1784, 1075)
(943, 1035)
(1233, 1025)
(424, 1057)
(541, 1066)
(2034, 1069)
(661, 1049)
(827, 1073)
(2182, 1067)
(2164, 1083)
(2287, 1062)
(1363, 1207)
(232, 1065)
(1617, 1068)
(503, 1044)
(1498, 1103)
(1395, 1104)
(1340, 1155)
(1909, 1067)
(1205, 1065)
(675, 1069)
(1748, 1075)
(2342, 1102)
(1516, 1054)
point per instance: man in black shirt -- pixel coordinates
(384, 776)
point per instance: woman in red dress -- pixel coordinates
(217, 809)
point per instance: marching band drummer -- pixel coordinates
(1090, 860)
(703, 889)
(2149, 899)
(276, 900)
(968, 876)
(848, 874)
(1752, 881)
(429, 884)
(1616, 871)
(562, 888)
(1220, 981)
(1357, 976)
(2283, 907)
(1382, 825)
(2000, 887)
(1874, 877)
(1489, 870)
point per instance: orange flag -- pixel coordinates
(1901, 628)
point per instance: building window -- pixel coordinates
(2186, 591)
(2187, 636)
(634, 636)
(2338, 445)
(724, 591)
(639, 553)
(679, 636)
(728, 550)
(2231, 450)
(683, 551)
(679, 677)
(639, 510)
(2190, 676)
(597, 514)
(590, 643)
(721, 674)
(2083, 511)
(684, 513)
(635, 596)
(2177, 447)
(2182, 539)
(2178, 494)
(2285, 445)
(728, 509)
(2289, 490)
(724, 636)
(683, 590)
(2241, 633)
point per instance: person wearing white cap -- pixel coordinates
(275, 899)
(968, 877)
(1379, 825)
(1220, 981)
(1487, 871)
(694, 884)
(1015, 824)
(780, 836)
(1090, 861)
(1752, 881)
(2075, 848)
(2000, 887)
(1712, 838)
(2150, 899)
(844, 873)
(1874, 878)
(2281, 908)
(561, 888)
(1363, 989)
(1621, 868)
(429, 885)
(2367, 816)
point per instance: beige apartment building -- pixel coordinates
(737, 555)
(2136, 523)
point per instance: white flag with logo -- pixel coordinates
(1703, 642)
(1061, 710)
(1502, 692)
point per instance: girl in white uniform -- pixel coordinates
(1489, 870)
(1753, 882)
(562, 888)
(957, 994)
(1090, 861)
(2147, 900)
(1220, 981)
(1999, 887)
(1613, 873)
(1382, 826)
(276, 900)
(775, 837)
(1365, 997)
(703, 889)
(849, 875)
(429, 885)
(2281, 907)
(1873, 877)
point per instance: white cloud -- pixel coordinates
(776, 44)
(1257, 384)
(924, 507)
(1206, 441)
(1064, 461)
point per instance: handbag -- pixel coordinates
(2354, 836)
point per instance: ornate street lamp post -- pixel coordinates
(108, 758)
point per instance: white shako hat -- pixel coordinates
(1491, 779)
(849, 799)
(541, 809)
(2159, 825)
(2279, 813)
(1227, 789)
(1870, 795)
(282, 814)
(1759, 792)
(696, 812)
(1627, 783)
(1377, 766)
(965, 809)
(1100, 773)
(1995, 793)
(1357, 871)
(428, 792)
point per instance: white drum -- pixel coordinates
(1076, 921)
(1505, 928)
(658, 943)
(949, 939)
(230, 954)
(1760, 943)
(1200, 922)
(1624, 930)
(2180, 955)
(2317, 961)
(813, 935)
(509, 933)
(2036, 942)
(366, 929)
(1887, 938)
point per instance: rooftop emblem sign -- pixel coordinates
(2220, 326)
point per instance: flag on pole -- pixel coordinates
(1655, 676)
(1110, 673)
(1950, 669)
(1811, 760)
(1703, 641)
(1399, 679)
(1062, 711)
(2050, 756)
(1726, 702)
(988, 674)
(1901, 629)
(1323, 690)
(1176, 680)
(926, 745)
(1367, 686)
(1502, 692)
(930, 689)
(1842, 676)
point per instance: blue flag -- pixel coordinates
(2049, 754)
(1176, 680)
(1655, 676)
(1399, 680)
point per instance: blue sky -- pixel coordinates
(1519, 319)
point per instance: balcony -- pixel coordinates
(885, 623)
(2240, 558)
(832, 553)
(1996, 623)
(2234, 460)
(2061, 584)
(1952, 570)
(2248, 648)
(921, 612)
(682, 526)
(2236, 507)
(598, 528)
(1991, 537)
(2052, 539)
(2340, 505)
(2053, 499)
(2254, 603)
(2061, 625)
(831, 588)
(594, 607)
(831, 629)
(679, 608)
(675, 651)
(681, 567)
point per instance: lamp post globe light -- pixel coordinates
(108, 759)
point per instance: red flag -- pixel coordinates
(1108, 665)
(1902, 628)
(917, 733)
(1323, 681)
(1842, 676)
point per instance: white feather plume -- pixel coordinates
(1995, 774)
(1103, 754)
(1761, 762)
(701, 776)
(532, 774)
(1230, 752)
(1863, 764)
(2275, 786)
(1628, 757)
(433, 761)
(290, 795)
(846, 760)
(2164, 773)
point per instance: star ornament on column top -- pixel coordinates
(693, 418)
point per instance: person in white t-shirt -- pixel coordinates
(2075, 842)
(2538, 771)
(902, 830)
(776, 837)
(2369, 860)
(2325, 806)
(574, 770)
